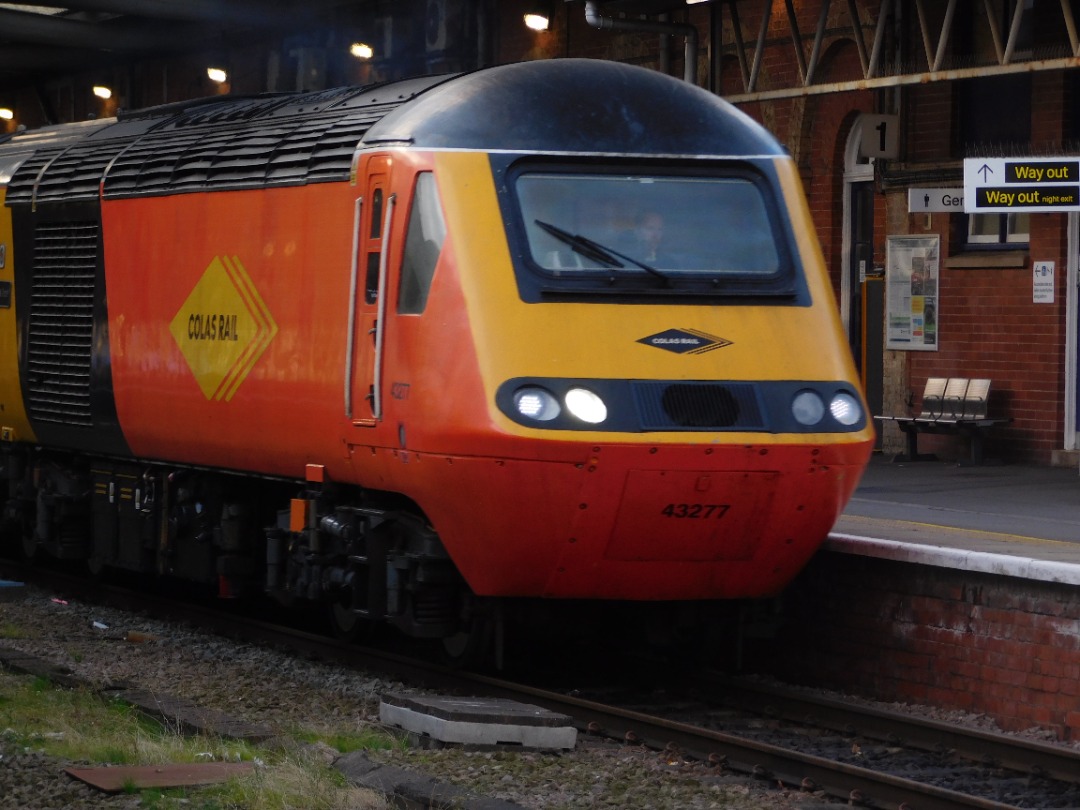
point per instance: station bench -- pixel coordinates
(955, 405)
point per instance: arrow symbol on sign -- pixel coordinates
(986, 170)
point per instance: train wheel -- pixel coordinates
(347, 624)
(471, 646)
(480, 642)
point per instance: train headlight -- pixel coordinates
(536, 403)
(808, 408)
(586, 405)
(845, 409)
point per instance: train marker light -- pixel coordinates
(845, 409)
(536, 403)
(586, 405)
(807, 408)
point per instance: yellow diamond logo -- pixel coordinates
(223, 328)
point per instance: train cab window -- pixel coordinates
(423, 243)
(371, 277)
(677, 228)
(376, 213)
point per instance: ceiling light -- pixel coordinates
(361, 50)
(537, 22)
(6, 114)
(217, 75)
(101, 91)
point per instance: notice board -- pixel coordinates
(912, 272)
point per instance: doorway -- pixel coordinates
(862, 284)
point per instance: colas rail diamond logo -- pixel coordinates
(223, 328)
(685, 341)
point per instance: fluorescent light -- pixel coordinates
(217, 75)
(361, 50)
(101, 91)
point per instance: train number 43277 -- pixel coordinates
(699, 511)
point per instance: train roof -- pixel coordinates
(562, 106)
(578, 106)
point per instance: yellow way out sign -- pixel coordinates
(999, 185)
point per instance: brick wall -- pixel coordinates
(988, 323)
(1003, 647)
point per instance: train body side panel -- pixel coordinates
(228, 321)
(13, 421)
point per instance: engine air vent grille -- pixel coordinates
(21, 187)
(698, 406)
(60, 345)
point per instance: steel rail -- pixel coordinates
(1026, 756)
(859, 786)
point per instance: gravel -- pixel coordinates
(285, 692)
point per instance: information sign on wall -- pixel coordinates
(1042, 286)
(912, 271)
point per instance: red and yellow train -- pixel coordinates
(413, 348)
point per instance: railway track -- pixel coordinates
(855, 754)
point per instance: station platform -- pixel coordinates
(1013, 520)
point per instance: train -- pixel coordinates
(558, 331)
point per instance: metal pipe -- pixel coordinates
(596, 20)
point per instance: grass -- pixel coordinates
(82, 726)
(8, 630)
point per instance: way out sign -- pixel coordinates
(1005, 185)
(1042, 283)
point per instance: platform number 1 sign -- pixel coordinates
(880, 136)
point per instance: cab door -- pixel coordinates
(367, 316)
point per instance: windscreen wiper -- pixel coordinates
(580, 244)
(597, 252)
(648, 268)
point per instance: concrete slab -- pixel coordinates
(478, 721)
(190, 718)
(407, 788)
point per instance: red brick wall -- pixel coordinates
(1003, 647)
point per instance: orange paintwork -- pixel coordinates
(294, 244)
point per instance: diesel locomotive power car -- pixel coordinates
(555, 330)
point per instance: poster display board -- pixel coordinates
(912, 272)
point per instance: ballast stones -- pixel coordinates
(474, 721)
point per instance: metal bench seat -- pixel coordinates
(955, 405)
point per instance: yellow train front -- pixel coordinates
(639, 421)
(559, 329)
